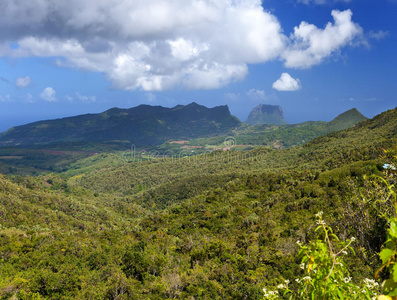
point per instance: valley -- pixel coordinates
(94, 221)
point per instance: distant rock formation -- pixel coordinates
(266, 114)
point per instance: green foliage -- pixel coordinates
(326, 275)
(141, 125)
(346, 120)
(285, 136)
(219, 225)
(388, 254)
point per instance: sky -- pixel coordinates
(314, 58)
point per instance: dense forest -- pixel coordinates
(217, 225)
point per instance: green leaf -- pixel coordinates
(389, 285)
(334, 237)
(393, 229)
(313, 296)
(395, 273)
(393, 293)
(385, 255)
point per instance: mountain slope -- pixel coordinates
(218, 226)
(266, 114)
(142, 125)
(165, 179)
(287, 136)
(346, 120)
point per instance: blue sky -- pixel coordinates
(314, 58)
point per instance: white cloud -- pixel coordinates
(80, 97)
(311, 45)
(153, 45)
(157, 45)
(23, 82)
(287, 83)
(48, 94)
(256, 94)
(84, 98)
(69, 98)
(378, 35)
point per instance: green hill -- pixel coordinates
(346, 120)
(362, 142)
(147, 125)
(285, 136)
(142, 125)
(57, 157)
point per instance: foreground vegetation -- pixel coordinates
(222, 225)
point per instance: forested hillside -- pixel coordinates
(221, 225)
(141, 125)
(286, 136)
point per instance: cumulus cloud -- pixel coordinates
(23, 82)
(48, 94)
(287, 83)
(157, 45)
(311, 45)
(152, 46)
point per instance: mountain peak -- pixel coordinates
(346, 119)
(266, 114)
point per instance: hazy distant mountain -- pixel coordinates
(285, 136)
(153, 125)
(141, 125)
(266, 114)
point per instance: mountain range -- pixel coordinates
(287, 135)
(147, 125)
(141, 125)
